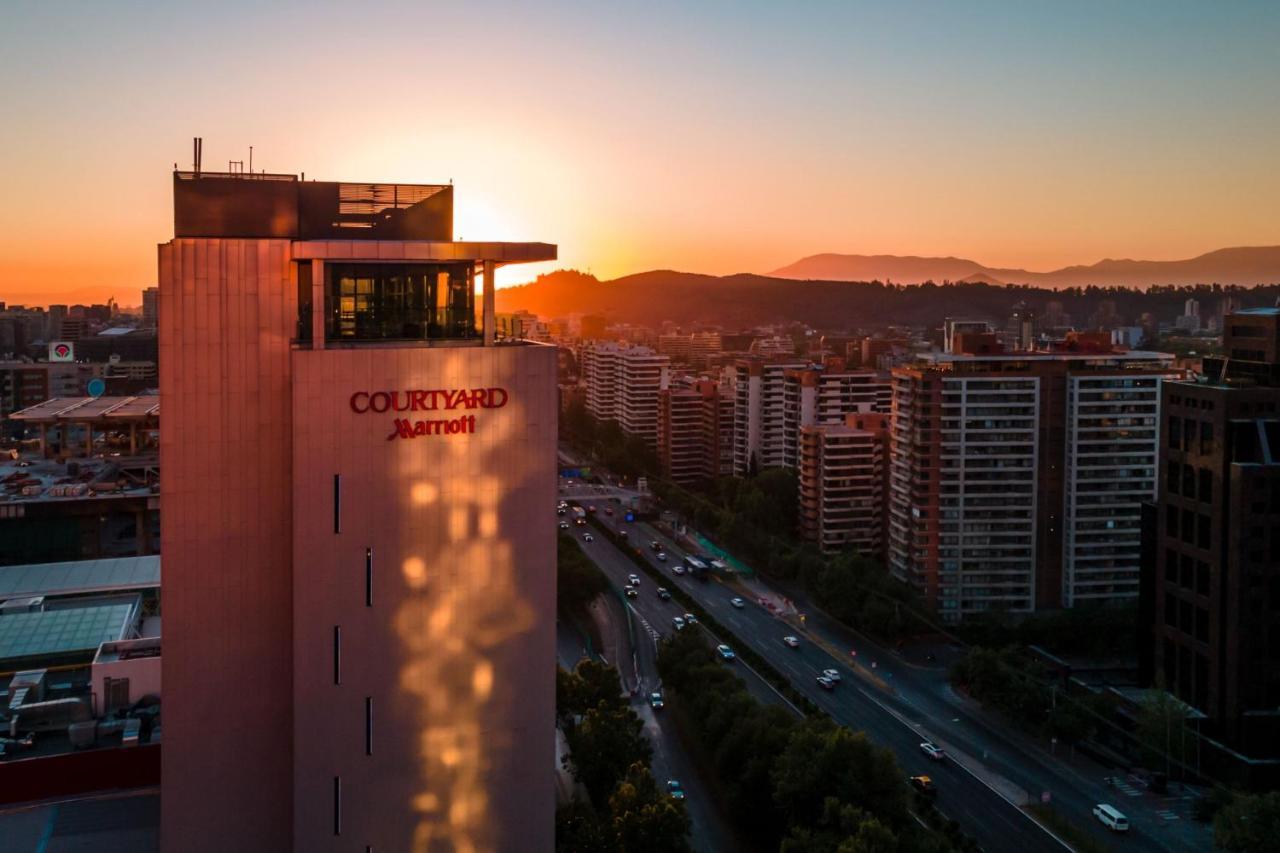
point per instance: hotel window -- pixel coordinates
(400, 302)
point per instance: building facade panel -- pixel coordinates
(438, 574)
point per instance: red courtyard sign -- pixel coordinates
(378, 402)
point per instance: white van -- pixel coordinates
(1111, 818)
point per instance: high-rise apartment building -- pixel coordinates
(359, 578)
(843, 484)
(1017, 478)
(695, 431)
(149, 296)
(1216, 601)
(623, 383)
(759, 388)
(775, 399)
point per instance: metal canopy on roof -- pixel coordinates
(83, 409)
(79, 577)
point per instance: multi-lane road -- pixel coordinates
(994, 821)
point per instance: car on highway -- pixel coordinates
(561, 510)
(664, 593)
(690, 619)
(587, 537)
(564, 525)
(580, 521)
(738, 603)
(622, 533)
(633, 580)
(924, 785)
(655, 701)
(608, 510)
(591, 509)
(632, 592)
(793, 642)
(675, 789)
(826, 683)
(725, 652)
(662, 556)
(655, 545)
(832, 674)
(932, 750)
(677, 568)
(678, 623)
(1111, 817)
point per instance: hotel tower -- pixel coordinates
(359, 576)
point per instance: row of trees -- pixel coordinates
(793, 785)
(626, 455)
(578, 580)
(610, 757)
(755, 518)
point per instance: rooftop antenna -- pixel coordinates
(250, 159)
(197, 148)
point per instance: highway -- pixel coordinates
(711, 831)
(991, 819)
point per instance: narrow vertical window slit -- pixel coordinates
(337, 805)
(337, 503)
(368, 725)
(337, 654)
(368, 577)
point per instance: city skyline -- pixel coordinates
(1031, 137)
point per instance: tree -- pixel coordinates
(1161, 719)
(1249, 824)
(644, 818)
(578, 580)
(607, 741)
(824, 760)
(578, 830)
(590, 685)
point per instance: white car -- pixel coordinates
(678, 623)
(826, 683)
(832, 674)
(564, 525)
(1111, 817)
(690, 619)
(932, 750)
(677, 569)
(738, 603)
(587, 537)
(662, 556)
(793, 642)
(634, 580)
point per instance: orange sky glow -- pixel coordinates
(664, 138)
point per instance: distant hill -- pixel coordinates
(744, 300)
(1248, 265)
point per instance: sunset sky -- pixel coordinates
(709, 137)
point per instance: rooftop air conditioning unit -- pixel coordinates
(34, 604)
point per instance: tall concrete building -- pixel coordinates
(1017, 478)
(359, 578)
(844, 484)
(149, 315)
(776, 398)
(623, 383)
(1216, 602)
(695, 431)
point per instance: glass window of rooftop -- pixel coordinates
(400, 302)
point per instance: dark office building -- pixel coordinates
(1216, 589)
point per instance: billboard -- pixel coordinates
(62, 351)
